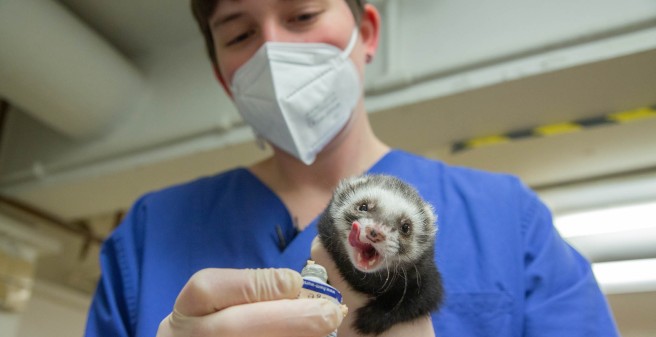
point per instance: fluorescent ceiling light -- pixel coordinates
(626, 276)
(622, 233)
(607, 220)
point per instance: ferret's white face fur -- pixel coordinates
(382, 222)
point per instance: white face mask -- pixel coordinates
(298, 96)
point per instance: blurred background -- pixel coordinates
(102, 101)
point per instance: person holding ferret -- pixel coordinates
(220, 256)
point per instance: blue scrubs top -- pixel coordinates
(506, 270)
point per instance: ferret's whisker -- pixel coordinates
(405, 289)
(388, 284)
(387, 278)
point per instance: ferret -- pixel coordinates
(381, 235)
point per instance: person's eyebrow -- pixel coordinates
(227, 18)
(222, 20)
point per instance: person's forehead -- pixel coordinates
(229, 3)
(228, 10)
(227, 7)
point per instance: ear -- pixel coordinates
(370, 29)
(224, 84)
(430, 212)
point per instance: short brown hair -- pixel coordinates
(203, 9)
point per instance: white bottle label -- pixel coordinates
(314, 289)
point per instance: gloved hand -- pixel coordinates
(418, 328)
(262, 302)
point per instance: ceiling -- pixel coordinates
(138, 28)
(446, 71)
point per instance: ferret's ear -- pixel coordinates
(430, 212)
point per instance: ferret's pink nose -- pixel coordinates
(374, 235)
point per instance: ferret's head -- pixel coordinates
(382, 222)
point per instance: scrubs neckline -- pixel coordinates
(275, 196)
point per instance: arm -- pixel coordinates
(562, 295)
(214, 302)
(112, 309)
(108, 314)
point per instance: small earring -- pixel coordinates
(369, 58)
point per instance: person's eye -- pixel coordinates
(307, 17)
(240, 38)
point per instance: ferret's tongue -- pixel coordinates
(354, 237)
(367, 256)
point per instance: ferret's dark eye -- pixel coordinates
(363, 208)
(405, 228)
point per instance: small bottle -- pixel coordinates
(315, 285)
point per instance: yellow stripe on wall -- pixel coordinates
(632, 115)
(557, 129)
(486, 141)
(622, 117)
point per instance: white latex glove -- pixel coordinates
(235, 302)
(421, 327)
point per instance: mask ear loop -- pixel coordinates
(349, 48)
